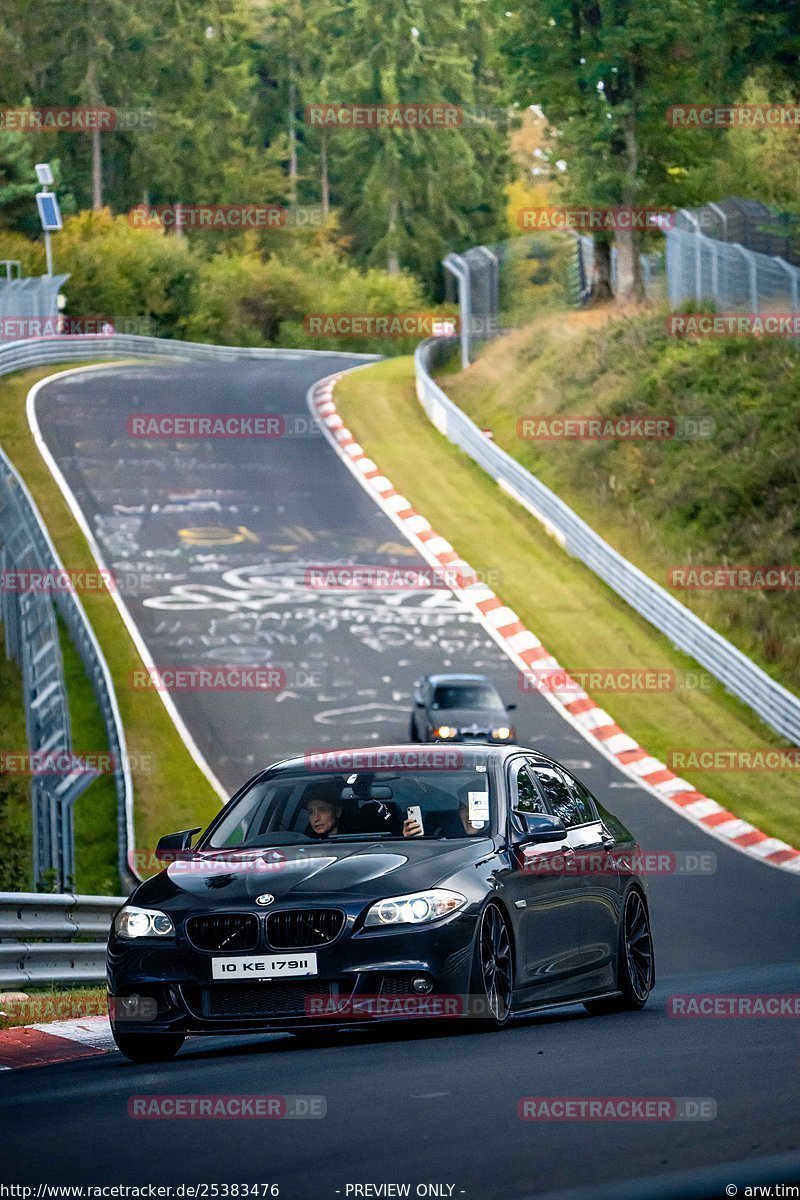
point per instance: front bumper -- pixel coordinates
(362, 977)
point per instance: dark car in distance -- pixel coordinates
(275, 921)
(460, 708)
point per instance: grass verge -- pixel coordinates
(16, 835)
(45, 1005)
(580, 620)
(174, 794)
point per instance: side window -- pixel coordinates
(564, 802)
(585, 800)
(528, 798)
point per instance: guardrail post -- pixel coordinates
(456, 265)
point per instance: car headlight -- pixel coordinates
(133, 922)
(502, 733)
(415, 909)
(445, 731)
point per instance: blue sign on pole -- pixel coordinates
(49, 212)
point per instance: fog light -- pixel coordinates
(422, 986)
(130, 1003)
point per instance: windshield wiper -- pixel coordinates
(357, 837)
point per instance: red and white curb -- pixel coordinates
(526, 651)
(54, 1042)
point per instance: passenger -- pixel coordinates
(445, 824)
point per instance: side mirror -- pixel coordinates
(172, 844)
(539, 827)
(420, 703)
(510, 707)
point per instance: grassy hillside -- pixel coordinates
(732, 498)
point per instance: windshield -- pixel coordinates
(466, 695)
(289, 806)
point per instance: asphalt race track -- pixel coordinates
(210, 541)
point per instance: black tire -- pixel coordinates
(492, 980)
(635, 961)
(413, 736)
(148, 1047)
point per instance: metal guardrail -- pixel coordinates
(772, 702)
(39, 352)
(26, 917)
(31, 637)
(29, 620)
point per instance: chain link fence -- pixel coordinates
(733, 278)
(500, 287)
(737, 255)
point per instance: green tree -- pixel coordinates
(604, 72)
(408, 195)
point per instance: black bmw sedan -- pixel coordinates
(460, 708)
(348, 886)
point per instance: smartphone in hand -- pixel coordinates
(414, 813)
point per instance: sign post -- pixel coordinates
(49, 211)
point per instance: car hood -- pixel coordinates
(485, 718)
(368, 869)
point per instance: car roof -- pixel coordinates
(498, 753)
(437, 679)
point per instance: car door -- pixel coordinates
(548, 894)
(574, 804)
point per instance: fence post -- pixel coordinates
(752, 266)
(698, 265)
(456, 265)
(793, 274)
(723, 217)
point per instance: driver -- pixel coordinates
(324, 811)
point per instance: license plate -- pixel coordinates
(263, 966)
